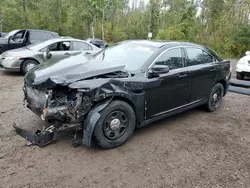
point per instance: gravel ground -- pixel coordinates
(192, 149)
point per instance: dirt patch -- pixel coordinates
(193, 149)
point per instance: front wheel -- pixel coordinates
(27, 65)
(115, 126)
(215, 97)
(1, 50)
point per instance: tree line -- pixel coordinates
(221, 25)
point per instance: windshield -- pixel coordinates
(39, 45)
(133, 56)
(10, 34)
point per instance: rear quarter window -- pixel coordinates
(49, 35)
(213, 53)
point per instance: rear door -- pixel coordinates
(79, 46)
(203, 71)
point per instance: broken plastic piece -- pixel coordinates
(40, 138)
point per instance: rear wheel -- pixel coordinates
(240, 76)
(215, 97)
(115, 126)
(27, 65)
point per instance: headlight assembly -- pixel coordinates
(12, 58)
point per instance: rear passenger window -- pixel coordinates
(197, 56)
(81, 46)
(37, 36)
(173, 58)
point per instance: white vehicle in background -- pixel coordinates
(243, 67)
(22, 59)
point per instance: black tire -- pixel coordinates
(215, 97)
(110, 136)
(240, 76)
(26, 63)
(1, 50)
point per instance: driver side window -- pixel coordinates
(60, 46)
(172, 58)
(18, 37)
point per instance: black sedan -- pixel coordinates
(23, 37)
(126, 86)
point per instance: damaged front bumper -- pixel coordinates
(42, 104)
(62, 118)
(40, 138)
(47, 135)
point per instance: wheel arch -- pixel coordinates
(125, 99)
(25, 59)
(224, 84)
(93, 116)
(137, 107)
(29, 58)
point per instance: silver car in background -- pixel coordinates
(22, 59)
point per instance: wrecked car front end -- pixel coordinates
(66, 99)
(58, 105)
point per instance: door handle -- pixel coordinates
(87, 53)
(183, 75)
(213, 69)
(67, 53)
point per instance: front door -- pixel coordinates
(170, 90)
(61, 50)
(79, 46)
(18, 40)
(203, 68)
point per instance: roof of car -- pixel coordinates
(64, 39)
(161, 43)
(37, 30)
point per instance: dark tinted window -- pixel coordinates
(37, 36)
(81, 46)
(173, 58)
(197, 56)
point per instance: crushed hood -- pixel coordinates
(66, 71)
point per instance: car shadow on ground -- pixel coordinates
(9, 73)
(65, 138)
(168, 121)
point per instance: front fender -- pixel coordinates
(91, 120)
(32, 58)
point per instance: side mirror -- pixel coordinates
(47, 55)
(10, 37)
(158, 69)
(247, 53)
